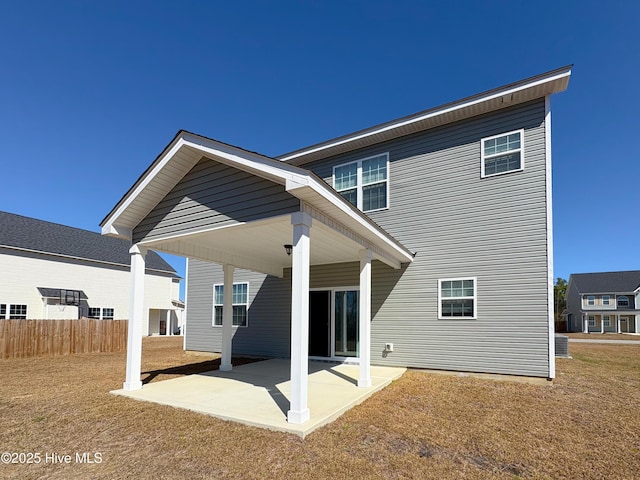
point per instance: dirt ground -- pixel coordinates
(585, 425)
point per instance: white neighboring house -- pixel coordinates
(52, 271)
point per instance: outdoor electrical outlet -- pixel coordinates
(388, 347)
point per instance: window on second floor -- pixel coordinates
(502, 153)
(623, 301)
(591, 300)
(364, 183)
(606, 299)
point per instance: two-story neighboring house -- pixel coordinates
(425, 241)
(52, 271)
(606, 302)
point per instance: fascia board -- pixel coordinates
(431, 114)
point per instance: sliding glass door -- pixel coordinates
(345, 323)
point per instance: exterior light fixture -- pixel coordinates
(288, 249)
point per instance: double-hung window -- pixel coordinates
(94, 313)
(591, 300)
(592, 321)
(240, 301)
(107, 313)
(364, 183)
(18, 312)
(606, 319)
(3, 310)
(606, 299)
(457, 298)
(503, 153)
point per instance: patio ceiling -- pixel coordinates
(259, 245)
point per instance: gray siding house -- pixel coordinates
(423, 242)
(604, 302)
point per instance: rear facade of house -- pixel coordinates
(471, 198)
(604, 302)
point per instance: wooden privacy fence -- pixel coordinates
(33, 338)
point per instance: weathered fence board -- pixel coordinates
(35, 338)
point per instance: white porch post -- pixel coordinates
(299, 411)
(136, 319)
(364, 379)
(617, 323)
(601, 323)
(585, 323)
(168, 330)
(227, 318)
(637, 324)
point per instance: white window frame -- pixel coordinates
(496, 155)
(17, 316)
(474, 298)
(359, 185)
(95, 317)
(606, 320)
(108, 317)
(591, 320)
(591, 300)
(606, 299)
(246, 305)
(3, 311)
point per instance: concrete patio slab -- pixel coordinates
(258, 393)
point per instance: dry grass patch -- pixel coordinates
(602, 336)
(423, 426)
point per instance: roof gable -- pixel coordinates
(25, 233)
(607, 282)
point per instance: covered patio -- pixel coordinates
(259, 394)
(211, 201)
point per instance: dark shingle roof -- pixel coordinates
(607, 282)
(31, 234)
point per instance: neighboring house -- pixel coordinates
(423, 242)
(52, 271)
(607, 302)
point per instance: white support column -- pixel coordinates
(136, 319)
(601, 323)
(617, 323)
(585, 323)
(227, 318)
(168, 330)
(637, 324)
(364, 379)
(299, 411)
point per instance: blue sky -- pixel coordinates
(91, 92)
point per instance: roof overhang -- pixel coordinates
(523, 91)
(332, 214)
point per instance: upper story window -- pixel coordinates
(623, 301)
(457, 298)
(364, 183)
(240, 301)
(591, 300)
(503, 153)
(606, 299)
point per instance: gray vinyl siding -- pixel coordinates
(269, 314)
(214, 195)
(460, 225)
